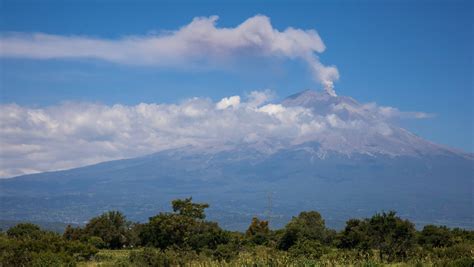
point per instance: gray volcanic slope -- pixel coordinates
(350, 172)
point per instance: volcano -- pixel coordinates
(358, 165)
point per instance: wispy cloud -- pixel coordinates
(77, 134)
(381, 112)
(199, 42)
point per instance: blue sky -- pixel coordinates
(416, 56)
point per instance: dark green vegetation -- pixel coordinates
(27, 245)
(185, 237)
(57, 227)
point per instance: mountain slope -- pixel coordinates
(357, 165)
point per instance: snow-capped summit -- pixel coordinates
(321, 102)
(351, 127)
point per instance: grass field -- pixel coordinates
(108, 257)
(259, 257)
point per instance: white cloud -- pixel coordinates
(257, 98)
(272, 109)
(380, 112)
(226, 102)
(77, 134)
(200, 42)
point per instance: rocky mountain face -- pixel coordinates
(359, 165)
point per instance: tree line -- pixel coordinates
(183, 235)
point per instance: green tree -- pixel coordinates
(433, 236)
(390, 235)
(308, 225)
(207, 235)
(186, 207)
(111, 227)
(133, 234)
(355, 235)
(184, 228)
(165, 229)
(73, 233)
(258, 232)
(25, 230)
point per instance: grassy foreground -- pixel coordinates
(260, 256)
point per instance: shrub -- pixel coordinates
(435, 236)
(309, 249)
(50, 259)
(226, 252)
(458, 251)
(149, 257)
(96, 242)
(25, 230)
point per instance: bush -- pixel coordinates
(25, 230)
(27, 245)
(435, 236)
(149, 257)
(96, 242)
(309, 249)
(226, 252)
(156, 257)
(11, 252)
(48, 258)
(458, 251)
(462, 262)
(80, 251)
